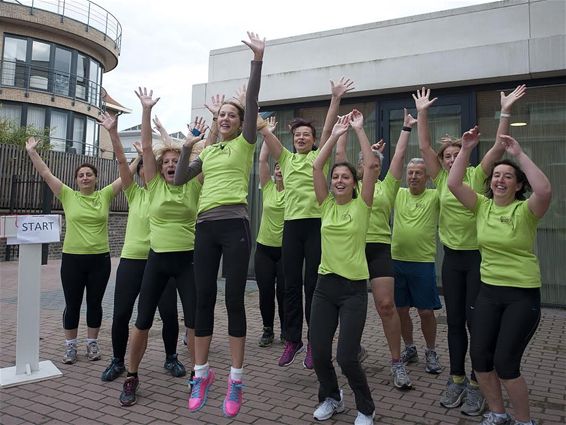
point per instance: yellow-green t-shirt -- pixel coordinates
(343, 236)
(379, 230)
(86, 220)
(172, 214)
(300, 199)
(271, 226)
(226, 168)
(456, 224)
(136, 241)
(506, 237)
(414, 226)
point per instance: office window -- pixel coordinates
(14, 62)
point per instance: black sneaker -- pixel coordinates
(128, 396)
(267, 337)
(114, 369)
(174, 366)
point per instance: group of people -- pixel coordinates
(324, 239)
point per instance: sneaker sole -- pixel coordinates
(325, 418)
(433, 371)
(474, 412)
(457, 403)
(300, 350)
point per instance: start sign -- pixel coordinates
(36, 229)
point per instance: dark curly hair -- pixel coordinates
(519, 174)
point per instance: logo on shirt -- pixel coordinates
(505, 219)
(346, 217)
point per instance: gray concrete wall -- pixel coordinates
(504, 40)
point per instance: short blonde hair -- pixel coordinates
(161, 149)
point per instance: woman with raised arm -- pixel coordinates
(301, 230)
(341, 291)
(507, 310)
(85, 262)
(461, 263)
(268, 261)
(132, 264)
(172, 212)
(223, 230)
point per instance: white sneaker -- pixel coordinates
(328, 408)
(362, 419)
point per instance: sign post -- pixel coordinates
(29, 232)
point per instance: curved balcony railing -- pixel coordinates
(48, 80)
(84, 11)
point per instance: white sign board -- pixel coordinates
(36, 229)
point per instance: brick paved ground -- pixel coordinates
(272, 394)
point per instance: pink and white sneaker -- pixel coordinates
(233, 400)
(199, 391)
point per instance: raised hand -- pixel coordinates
(271, 123)
(341, 125)
(256, 44)
(408, 120)
(512, 147)
(340, 88)
(108, 121)
(356, 119)
(146, 99)
(508, 100)
(240, 95)
(196, 131)
(158, 125)
(422, 101)
(215, 104)
(471, 138)
(138, 147)
(31, 144)
(379, 146)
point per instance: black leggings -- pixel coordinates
(230, 239)
(505, 320)
(301, 242)
(268, 271)
(128, 283)
(80, 271)
(337, 299)
(160, 267)
(460, 284)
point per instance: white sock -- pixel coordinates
(201, 370)
(71, 341)
(236, 374)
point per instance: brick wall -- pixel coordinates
(116, 231)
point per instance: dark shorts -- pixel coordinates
(415, 285)
(378, 256)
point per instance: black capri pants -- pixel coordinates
(229, 238)
(505, 320)
(268, 271)
(160, 267)
(80, 272)
(128, 283)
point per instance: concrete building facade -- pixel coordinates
(52, 59)
(466, 56)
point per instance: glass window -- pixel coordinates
(39, 71)
(538, 122)
(78, 135)
(58, 127)
(82, 72)
(14, 63)
(36, 117)
(11, 113)
(62, 71)
(94, 91)
(91, 142)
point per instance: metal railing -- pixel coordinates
(83, 11)
(48, 80)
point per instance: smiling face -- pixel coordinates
(277, 173)
(504, 184)
(303, 139)
(342, 183)
(449, 156)
(168, 164)
(416, 178)
(229, 122)
(86, 179)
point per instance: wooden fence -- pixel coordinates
(14, 161)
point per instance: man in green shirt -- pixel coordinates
(413, 250)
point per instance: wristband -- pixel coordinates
(407, 129)
(504, 115)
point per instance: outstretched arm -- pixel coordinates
(147, 102)
(214, 108)
(464, 193)
(423, 103)
(263, 161)
(185, 171)
(396, 167)
(539, 201)
(53, 182)
(249, 126)
(319, 179)
(371, 163)
(340, 155)
(498, 148)
(338, 89)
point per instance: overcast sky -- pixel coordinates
(166, 43)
